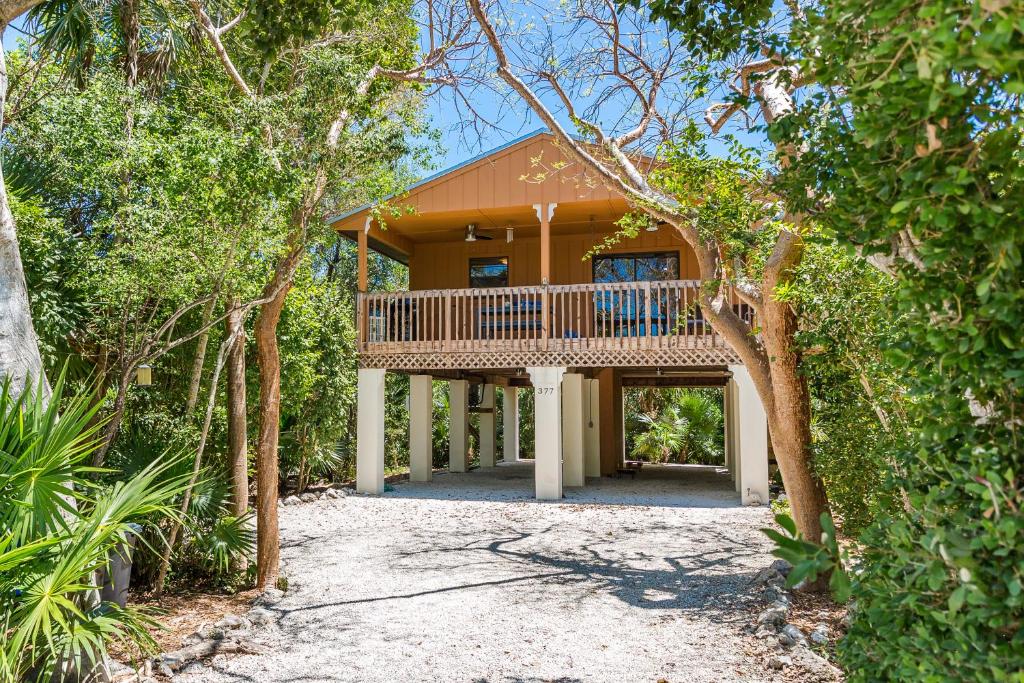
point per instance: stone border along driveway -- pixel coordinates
(468, 579)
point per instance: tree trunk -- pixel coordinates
(197, 464)
(20, 360)
(130, 27)
(199, 359)
(238, 457)
(114, 425)
(268, 549)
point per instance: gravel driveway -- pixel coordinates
(468, 579)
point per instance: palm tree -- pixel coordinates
(702, 435)
(661, 439)
(148, 37)
(688, 428)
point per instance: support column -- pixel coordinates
(421, 447)
(458, 415)
(510, 424)
(612, 435)
(572, 430)
(592, 427)
(370, 431)
(486, 424)
(751, 439)
(362, 255)
(547, 468)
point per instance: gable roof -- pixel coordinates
(441, 174)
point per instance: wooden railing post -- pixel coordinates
(446, 336)
(545, 317)
(360, 321)
(647, 313)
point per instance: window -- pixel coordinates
(488, 272)
(636, 267)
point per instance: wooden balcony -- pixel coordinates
(631, 323)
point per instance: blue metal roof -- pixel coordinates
(456, 167)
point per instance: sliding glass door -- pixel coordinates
(628, 307)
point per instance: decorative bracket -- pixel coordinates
(539, 208)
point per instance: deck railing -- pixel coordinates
(626, 315)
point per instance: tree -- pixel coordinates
(914, 140)
(624, 59)
(19, 348)
(139, 206)
(352, 128)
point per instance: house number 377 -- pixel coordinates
(544, 391)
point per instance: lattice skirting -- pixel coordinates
(576, 358)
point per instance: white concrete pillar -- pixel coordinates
(727, 427)
(510, 424)
(458, 426)
(486, 425)
(751, 439)
(572, 430)
(421, 431)
(732, 431)
(547, 411)
(591, 428)
(370, 431)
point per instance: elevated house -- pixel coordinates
(501, 294)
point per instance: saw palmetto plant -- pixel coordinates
(58, 526)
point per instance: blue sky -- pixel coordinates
(514, 118)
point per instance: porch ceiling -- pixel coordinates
(450, 226)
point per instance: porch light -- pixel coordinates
(144, 375)
(509, 233)
(653, 227)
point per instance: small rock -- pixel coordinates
(192, 639)
(819, 635)
(778, 662)
(774, 616)
(776, 593)
(343, 492)
(165, 669)
(818, 667)
(782, 567)
(334, 493)
(768, 576)
(308, 497)
(765, 631)
(260, 616)
(791, 636)
(782, 498)
(211, 632)
(193, 668)
(230, 621)
(271, 596)
(291, 500)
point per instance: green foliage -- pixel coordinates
(915, 137)
(227, 540)
(715, 28)
(811, 560)
(858, 397)
(54, 537)
(681, 425)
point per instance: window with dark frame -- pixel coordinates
(636, 267)
(491, 271)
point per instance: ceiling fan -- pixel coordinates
(472, 236)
